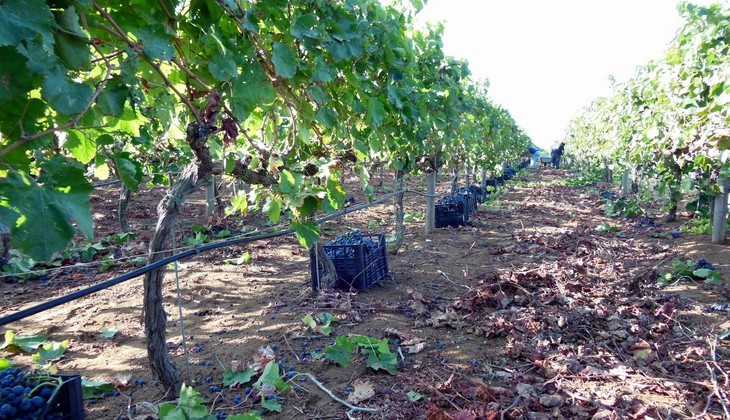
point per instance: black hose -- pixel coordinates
(194, 251)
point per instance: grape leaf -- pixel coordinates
(49, 352)
(24, 19)
(271, 404)
(271, 376)
(223, 67)
(233, 379)
(112, 99)
(66, 96)
(14, 73)
(284, 61)
(272, 207)
(22, 343)
(341, 351)
(157, 44)
(5, 363)
(81, 147)
(307, 233)
(33, 202)
(95, 389)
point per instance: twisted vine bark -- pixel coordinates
(400, 229)
(192, 178)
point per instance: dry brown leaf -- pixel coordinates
(362, 390)
(416, 348)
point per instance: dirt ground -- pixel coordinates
(529, 312)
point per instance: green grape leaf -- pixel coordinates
(71, 191)
(71, 44)
(81, 147)
(341, 351)
(271, 376)
(49, 352)
(191, 402)
(251, 415)
(14, 73)
(95, 389)
(67, 97)
(25, 19)
(285, 63)
(272, 207)
(271, 404)
(223, 67)
(34, 202)
(376, 112)
(112, 99)
(251, 89)
(384, 361)
(336, 194)
(233, 379)
(129, 170)
(156, 42)
(414, 396)
(22, 343)
(307, 233)
(289, 182)
(309, 321)
(327, 116)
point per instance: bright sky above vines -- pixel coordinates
(545, 60)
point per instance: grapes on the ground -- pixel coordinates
(703, 263)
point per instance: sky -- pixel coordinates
(547, 59)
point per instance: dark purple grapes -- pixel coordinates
(16, 387)
(703, 263)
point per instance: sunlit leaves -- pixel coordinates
(66, 96)
(14, 78)
(156, 43)
(251, 89)
(284, 60)
(24, 19)
(112, 99)
(55, 202)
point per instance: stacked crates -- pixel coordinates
(454, 210)
(359, 258)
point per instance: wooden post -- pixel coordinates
(400, 229)
(210, 196)
(430, 214)
(719, 220)
(626, 182)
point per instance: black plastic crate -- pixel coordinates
(67, 402)
(478, 192)
(359, 264)
(469, 198)
(450, 215)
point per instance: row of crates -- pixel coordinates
(359, 258)
(454, 210)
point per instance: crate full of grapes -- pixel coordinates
(359, 259)
(29, 395)
(451, 211)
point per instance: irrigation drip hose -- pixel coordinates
(161, 263)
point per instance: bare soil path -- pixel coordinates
(530, 311)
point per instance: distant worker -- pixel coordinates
(557, 154)
(535, 152)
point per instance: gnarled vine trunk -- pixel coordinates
(192, 178)
(400, 229)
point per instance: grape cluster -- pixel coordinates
(453, 201)
(703, 263)
(344, 245)
(22, 397)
